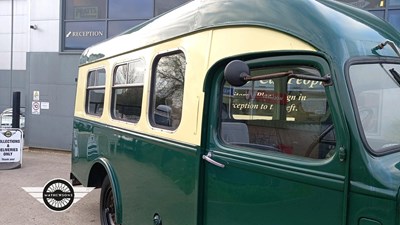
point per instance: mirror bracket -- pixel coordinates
(237, 73)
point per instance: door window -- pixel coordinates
(285, 115)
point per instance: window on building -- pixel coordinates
(130, 9)
(388, 10)
(85, 10)
(394, 18)
(289, 116)
(393, 2)
(116, 27)
(87, 22)
(127, 91)
(95, 92)
(167, 90)
(82, 34)
(365, 4)
(378, 13)
(162, 6)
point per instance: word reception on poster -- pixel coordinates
(11, 145)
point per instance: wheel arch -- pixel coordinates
(100, 169)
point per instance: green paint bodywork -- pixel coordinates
(152, 175)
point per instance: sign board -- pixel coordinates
(90, 12)
(36, 96)
(35, 108)
(11, 146)
(45, 105)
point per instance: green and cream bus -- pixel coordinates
(270, 112)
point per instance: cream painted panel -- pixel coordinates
(233, 41)
(195, 49)
(199, 57)
(81, 91)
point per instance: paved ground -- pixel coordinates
(38, 167)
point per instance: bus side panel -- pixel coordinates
(155, 176)
(81, 165)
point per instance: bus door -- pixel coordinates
(275, 154)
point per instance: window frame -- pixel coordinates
(94, 87)
(360, 61)
(152, 100)
(106, 22)
(314, 60)
(115, 87)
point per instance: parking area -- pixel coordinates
(39, 167)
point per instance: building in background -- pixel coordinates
(388, 10)
(41, 42)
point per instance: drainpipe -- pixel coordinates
(12, 51)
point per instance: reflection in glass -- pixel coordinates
(376, 94)
(163, 6)
(393, 2)
(378, 13)
(130, 9)
(282, 115)
(118, 27)
(128, 91)
(168, 90)
(85, 9)
(80, 35)
(95, 92)
(365, 4)
(394, 18)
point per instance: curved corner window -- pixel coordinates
(167, 90)
(283, 115)
(127, 91)
(376, 90)
(95, 92)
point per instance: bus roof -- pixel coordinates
(331, 27)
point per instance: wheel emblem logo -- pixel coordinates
(58, 195)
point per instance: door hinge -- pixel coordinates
(342, 154)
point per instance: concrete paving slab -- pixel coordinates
(39, 167)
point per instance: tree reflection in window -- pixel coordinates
(128, 91)
(168, 84)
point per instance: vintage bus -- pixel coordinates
(243, 112)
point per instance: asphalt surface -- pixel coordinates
(38, 168)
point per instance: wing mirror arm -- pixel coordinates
(237, 73)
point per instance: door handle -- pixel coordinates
(210, 160)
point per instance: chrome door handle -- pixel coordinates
(208, 159)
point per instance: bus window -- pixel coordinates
(127, 91)
(167, 89)
(283, 115)
(95, 92)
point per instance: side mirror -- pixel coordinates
(235, 73)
